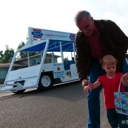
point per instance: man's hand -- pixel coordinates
(84, 83)
(125, 76)
(125, 79)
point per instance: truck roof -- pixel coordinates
(38, 38)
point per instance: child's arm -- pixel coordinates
(125, 79)
(96, 84)
(90, 86)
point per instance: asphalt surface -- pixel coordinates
(64, 106)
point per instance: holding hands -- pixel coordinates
(87, 86)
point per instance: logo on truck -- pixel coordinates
(37, 33)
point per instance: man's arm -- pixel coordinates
(120, 40)
(82, 56)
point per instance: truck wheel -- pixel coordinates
(45, 83)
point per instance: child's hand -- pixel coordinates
(88, 88)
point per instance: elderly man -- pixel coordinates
(95, 39)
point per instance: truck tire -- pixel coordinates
(46, 82)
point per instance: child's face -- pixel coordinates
(110, 69)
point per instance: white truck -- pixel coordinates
(42, 76)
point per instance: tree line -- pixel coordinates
(7, 55)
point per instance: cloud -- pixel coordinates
(18, 15)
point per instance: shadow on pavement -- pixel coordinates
(71, 91)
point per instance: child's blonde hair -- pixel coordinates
(108, 60)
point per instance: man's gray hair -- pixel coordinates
(82, 14)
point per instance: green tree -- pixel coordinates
(1, 56)
(6, 56)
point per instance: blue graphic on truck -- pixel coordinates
(37, 33)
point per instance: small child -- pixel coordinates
(110, 82)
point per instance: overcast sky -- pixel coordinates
(17, 15)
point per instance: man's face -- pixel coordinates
(86, 26)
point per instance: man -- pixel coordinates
(95, 39)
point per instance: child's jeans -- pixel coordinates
(116, 119)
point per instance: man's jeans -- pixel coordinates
(93, 97)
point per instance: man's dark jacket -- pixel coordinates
(112, 41)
